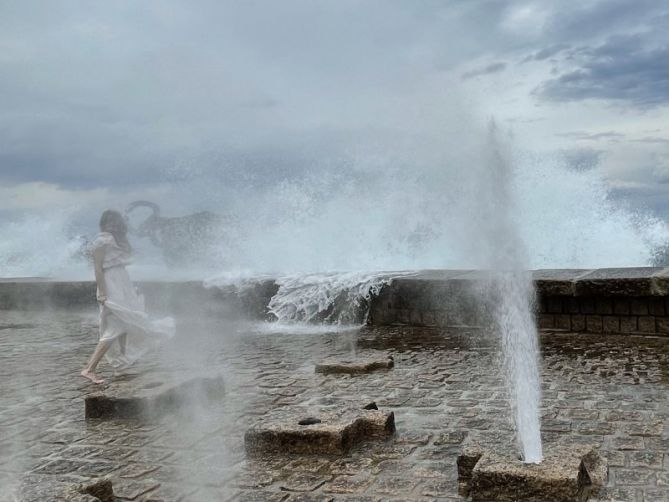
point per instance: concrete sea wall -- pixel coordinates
(623, 300)
(160, 296)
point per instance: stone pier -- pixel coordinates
(606, 390)
(626, 300)
(621, 300)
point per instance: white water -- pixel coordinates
(386, 210)
(513, 294)
(517, 326)
(406, 210)
(333, 299)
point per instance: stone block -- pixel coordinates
(41, 293)
(618, 282)
(147, 395)
(639, 306)
(355, 367)
(587, 305)
(306, 430)
(45, 488)
(593, 323)
(415, 317)
(656, 306)
(661, 283)
(662, 325)
(611, 324)
(578, 322)
(628, 324)
(442, 318)
(556, 282)
(429, 318)
(402, 316)
(646, 324)
(554, 304)
(467, 460)
(563, 321)
(567, 474)
(571, 305)
(546, 321)
(621, 306)
(604, 306)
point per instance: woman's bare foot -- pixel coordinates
(92, 376)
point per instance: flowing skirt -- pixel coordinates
(123, 314)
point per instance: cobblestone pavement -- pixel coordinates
(607, 390)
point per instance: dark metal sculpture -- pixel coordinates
(183, 239)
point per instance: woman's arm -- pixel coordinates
(98, 258)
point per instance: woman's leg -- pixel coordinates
(89, 370)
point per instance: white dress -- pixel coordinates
(123, 311)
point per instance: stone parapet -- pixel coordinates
(624, 300)
(620, 300)
(41, 294)
(152, 394)
(317, 431)
(173, 296)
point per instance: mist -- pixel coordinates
(397, 204)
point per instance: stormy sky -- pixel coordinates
(104, 101)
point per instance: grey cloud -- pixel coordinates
(132, 93)
(545, 53)
(586, 136)
(621, 70)
(653, 140)
(581, 159)
(592, 19)
(485, 70)
(651, 196)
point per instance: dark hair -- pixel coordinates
(113, 222)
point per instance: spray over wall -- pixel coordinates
(390, 203)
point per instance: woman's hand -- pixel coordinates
(102, 299)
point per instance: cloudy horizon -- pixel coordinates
(106, 102)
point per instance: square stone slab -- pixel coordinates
(354, 367)
(147, 395)
(557, 282)
(567, 474)
(638, 281)
(47, 488)
(306, 430)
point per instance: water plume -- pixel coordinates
(513, 294)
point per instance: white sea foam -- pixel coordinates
(386, 214)
(429, 206)
(333, 299)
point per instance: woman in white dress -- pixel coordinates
(126, 332)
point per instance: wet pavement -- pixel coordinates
(608, 390)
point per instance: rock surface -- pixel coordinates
(309, 431)
(353, 367)
(50, 490)
(557, 282)
(147, 395)
(642, 281)
(609, 390)
(568, 473)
